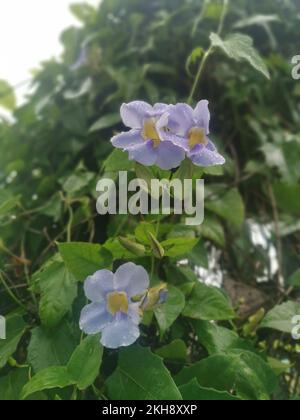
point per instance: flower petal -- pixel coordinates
(134, 312)
(127, 139)
(162, 122)
(211, 146)
(180, 119)
(176, 140)
(207, 157)
(159, 108)
(143, 153)
(98, 285)
(134, 113)
(94, 317)
(169, 156)
(120, 333)
(131, 278)
(202, 115)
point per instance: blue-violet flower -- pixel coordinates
(112, 310)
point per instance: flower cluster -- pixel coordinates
(164, 135)
(116, 304)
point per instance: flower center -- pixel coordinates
(117, 302)
(197, 136)
(150, 132)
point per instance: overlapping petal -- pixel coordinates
(134, 113)
(169, 156)
(131, 278)
(128, 139)
(144, 153)
(94, 317)
(206, 157)
(120, 333)
(202, 115)
(98, 285)
(180, 119)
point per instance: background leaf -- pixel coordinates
(85, 362)
(169, 311)
(84, 259)
(15, 328)
(240, 48)
(207, 303)
(141, 375)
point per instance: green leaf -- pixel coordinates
(15, 328)
(86, 13)
(7, 96)
(7, 202)
(118, 161)
(12, 384)
(175, 247)
(239, 47)
(218, 339)
(85, 362)
(217, 170)
(185, 170)
(83, 89)
(212, 230)
(227, 204)
(58, 290)
(167, 313)
(198, 256)
(142, 232)
(76, 182)
(287, 197)
(117, 250)
(141, 375)
(193, 391)
(207, 304)
(278, 366)
(84, 259)
(294, 279)
(52, 377)
(82, 369)
(50, 347)
(281, 316)
(256, 20)
(107, 121)
(243, 372)
(144, 173)
(176, 350)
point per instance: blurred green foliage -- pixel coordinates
(56, 150)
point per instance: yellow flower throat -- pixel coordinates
(150, 132)
(196, 136)
(117, 302)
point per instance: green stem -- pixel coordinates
(26, 271)
(207, 53)
(70, 223)
(223, 16)
(199, 73)
(153, 258)
(11, 294)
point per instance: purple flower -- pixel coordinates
(189, 129)
(145, 142)
(112, 311)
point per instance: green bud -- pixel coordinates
(155, 296)
(133, 247)
(158, 250)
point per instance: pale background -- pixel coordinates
(29, 34)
